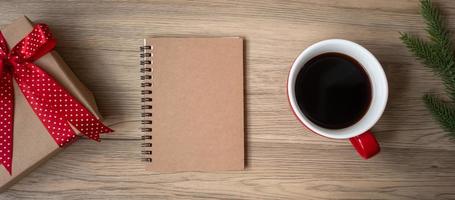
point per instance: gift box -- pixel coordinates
(32, 140)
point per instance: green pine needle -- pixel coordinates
(435, 26)
(429, 55)
(438, 55)
(421, 50)
(442, 111)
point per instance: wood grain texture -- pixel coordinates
(100, 40)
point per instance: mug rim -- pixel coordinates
(371, 66)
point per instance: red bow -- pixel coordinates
(54, 106)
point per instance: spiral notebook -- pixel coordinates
(193, 103)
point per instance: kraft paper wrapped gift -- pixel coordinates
(32, 143)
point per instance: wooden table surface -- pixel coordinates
(100, 41)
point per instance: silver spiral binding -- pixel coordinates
(146, 71)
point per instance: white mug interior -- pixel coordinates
(379, 86)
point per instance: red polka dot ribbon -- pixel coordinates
(57, 109)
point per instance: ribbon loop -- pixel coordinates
(56, 108)
(36, 44)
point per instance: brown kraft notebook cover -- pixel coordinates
(194, 114)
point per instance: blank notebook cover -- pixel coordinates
(193, 104)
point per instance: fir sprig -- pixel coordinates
(442, 111)
(438, 55)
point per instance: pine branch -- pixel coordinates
(443, 47)
(436, 26)
(429, 55)
(438, 55)
(442, 111)
(421, 50)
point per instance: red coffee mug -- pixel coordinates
(359, 133)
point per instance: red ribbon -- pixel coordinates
(54, 106)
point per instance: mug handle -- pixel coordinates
(366, 144)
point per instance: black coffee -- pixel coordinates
(333, 90)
